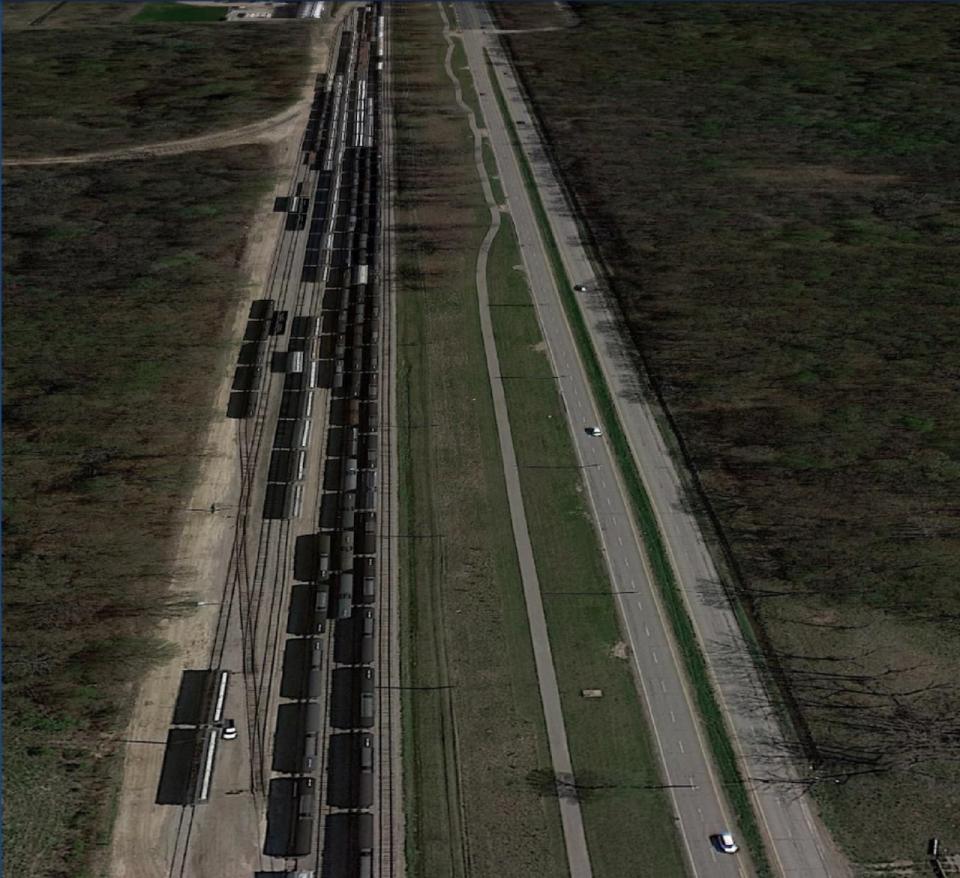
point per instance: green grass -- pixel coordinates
(108, 87)
(114, 337)
(613, 755)
(458, 61)
(474, 732)
(781, 254)
(169, 12)
(493, 172)
(694, 664)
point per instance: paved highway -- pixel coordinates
(796, 842)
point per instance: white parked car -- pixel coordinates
(725, 844)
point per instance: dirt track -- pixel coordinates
(272, 130)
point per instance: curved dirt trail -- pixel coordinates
(273, 130)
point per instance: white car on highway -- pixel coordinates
(724, 843)
(594, 431)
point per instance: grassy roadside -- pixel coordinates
(694, 663)
(474, 733)
(493, 172)
(461, 69)
(610, 743)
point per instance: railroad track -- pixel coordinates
(240, 592)
(389, 860)
(256, 586)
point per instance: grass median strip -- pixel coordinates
(694, 663)
(618, 782)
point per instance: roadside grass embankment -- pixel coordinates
(775, 208)
(96, 88)
(117, 299)
(473, 722)
(695, 666)
(616, 766)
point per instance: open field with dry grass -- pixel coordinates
(773, 193)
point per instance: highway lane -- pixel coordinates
(798, 844)
(696, 796)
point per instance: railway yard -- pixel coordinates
(282, 754)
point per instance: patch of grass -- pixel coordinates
(474, 731)
(169, 12)
(108, 384)
(493, 172)
(797, 346)
(107, 87)
(458, 61)
(613, 755)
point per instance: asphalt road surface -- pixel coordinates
(796, 843)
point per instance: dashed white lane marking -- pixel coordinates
(619, 540)
(626, 563)
(639, 603)
(673, 717)
(608, 502)
(656, 661)
(646, 630)
(663, 686)
(680, 745)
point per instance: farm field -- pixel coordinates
(473, 723)
(773, 194)
(105, 87)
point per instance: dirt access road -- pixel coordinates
(141, 843)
